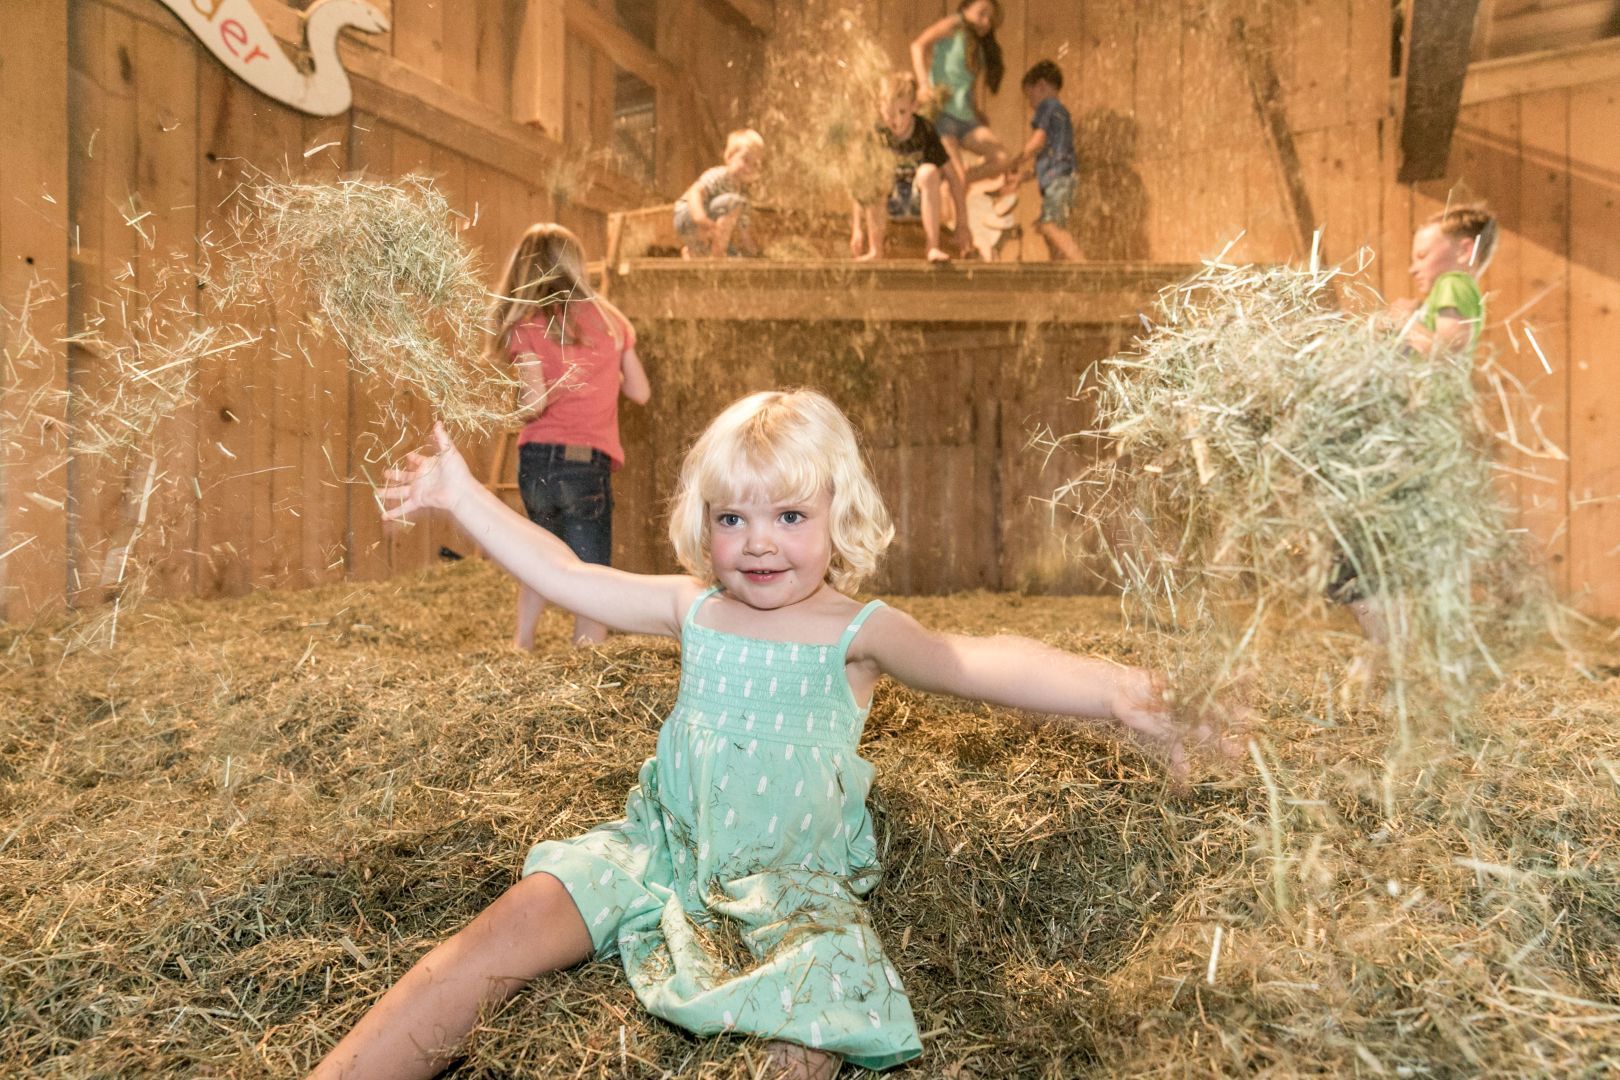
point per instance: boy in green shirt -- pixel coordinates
(1448, 252)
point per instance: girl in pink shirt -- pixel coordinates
(575, 354)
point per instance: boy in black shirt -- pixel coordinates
(918, 172)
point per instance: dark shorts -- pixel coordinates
(572, 500)
(953, 127)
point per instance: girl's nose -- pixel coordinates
(759, 542)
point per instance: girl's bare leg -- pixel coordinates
(877, 224)
(982, 141)
(588, 631)
(416, 1028)
(723, 227)
(963, 237)
(1060, 241)
(790, 1061)
(929, 180)
(530, 606)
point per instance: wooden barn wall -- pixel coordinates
(133, 142)
(1174, 164)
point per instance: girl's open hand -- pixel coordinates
(426, 483)
(1144, 707)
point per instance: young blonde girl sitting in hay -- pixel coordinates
(752, 814)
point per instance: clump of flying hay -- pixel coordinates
(1268, 445)
(223, 841)
(818, 111)
(387, 272)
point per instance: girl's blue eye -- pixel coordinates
(792, 517)
(729, 520)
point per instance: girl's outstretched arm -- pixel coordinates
(639, 603)
(1020, 673)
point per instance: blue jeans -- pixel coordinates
(572, 500)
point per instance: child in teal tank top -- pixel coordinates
(751, 816)
(948, 59)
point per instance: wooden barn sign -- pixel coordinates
(234, 32)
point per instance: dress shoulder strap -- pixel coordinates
(691, 612)
(854, 626)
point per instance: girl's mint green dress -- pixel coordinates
(749, 823)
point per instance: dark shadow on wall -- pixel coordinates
(1110, 206)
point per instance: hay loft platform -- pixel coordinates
(909, 291)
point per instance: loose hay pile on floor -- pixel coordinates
(224, 837)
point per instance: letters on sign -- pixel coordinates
(234, 32)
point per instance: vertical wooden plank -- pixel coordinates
(460, 30)
(539, 70)
(371, 152)
(1543, 243)
(1594, 392)
(106, 250)
(166, 171)
(325, 431)
(578, 88)
(1394, 254)
(34, 248)
(1318, 84)
(1157, 77)
(418, 33)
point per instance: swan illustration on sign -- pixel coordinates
(234, 32)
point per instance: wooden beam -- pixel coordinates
(1440, 33)
(836, 290)
(1265, 91)
(1531, 73)
(757, 14)
(538, 96)
(621, 46)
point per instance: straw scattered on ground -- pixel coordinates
(227, 836)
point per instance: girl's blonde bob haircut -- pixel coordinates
(782, 446)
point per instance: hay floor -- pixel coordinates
(219, 842)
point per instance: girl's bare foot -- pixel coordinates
(867, 256)
(938, 255)
(790, 1061)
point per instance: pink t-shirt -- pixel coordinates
(585, 376)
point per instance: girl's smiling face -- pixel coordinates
(771, 553)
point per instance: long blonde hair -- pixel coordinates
(545, 274)
(782, 445)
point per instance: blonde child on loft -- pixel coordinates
(919, 158)
(752, 814)
(711, 216)
(575, 354)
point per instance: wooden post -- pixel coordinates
(538, 72)
(1440, 36)
(34, 246)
